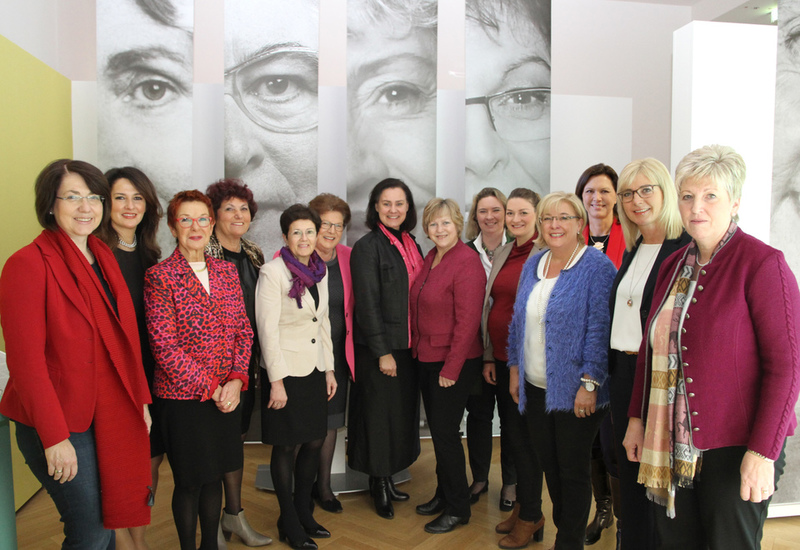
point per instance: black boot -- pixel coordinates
(380, 494)
(394, 494)
(603, 516)
(616, 501)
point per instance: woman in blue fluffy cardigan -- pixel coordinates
(558, 358)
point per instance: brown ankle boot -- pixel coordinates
(522, 534)
(505, 526)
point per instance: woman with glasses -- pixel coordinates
(234, 208)
(130, 233)
(77, 390)
(558, 358)
(652, 226)
(334, 214)
(508, 100)
(201, 340)
(295, 332)
(271, 105)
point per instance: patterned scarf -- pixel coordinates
(411, 257)
(303, 276)
(669, 458)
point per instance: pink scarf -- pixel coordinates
(411, 257)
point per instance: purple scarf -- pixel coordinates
(303, 276)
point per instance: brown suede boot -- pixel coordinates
(522, 534)
(505, 526)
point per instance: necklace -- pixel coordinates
(201, 269)
(646, 270)
(703, 264)
(128, 245)
(566, 266)
(599, 242)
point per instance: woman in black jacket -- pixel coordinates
(653, 230)
(383, 435)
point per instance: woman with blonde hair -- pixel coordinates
(653, 230)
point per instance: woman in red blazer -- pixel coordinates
(446, 304)
(335, 216)
(201, 340)
(77, 390)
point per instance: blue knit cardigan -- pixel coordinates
(577, 328)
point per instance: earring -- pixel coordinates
(51, 212)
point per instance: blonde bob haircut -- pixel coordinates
(472, 220)
(721, 163)
(551, 202)
(437, 205)
(669, 219)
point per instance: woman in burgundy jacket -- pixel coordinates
(446, 304)
(718, 370)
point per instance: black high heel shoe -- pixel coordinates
(475, 496)
(305, 544)
(380, 495)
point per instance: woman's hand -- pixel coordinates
(513, 383)
(277, 395)
(446, 382)
(229, 396)
(147, 418)
(62, 462)
(634, 439)
(330, 382)
(388, 365)
(758, 478)
(585, 402)
(489, 373)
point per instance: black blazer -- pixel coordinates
(668, 247)
(380, 288)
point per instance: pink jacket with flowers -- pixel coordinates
(199, 341)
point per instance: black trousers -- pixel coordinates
(526, 460)
(564, 445)
(712, 515)
(637, 511)
(480, 413)
(444, 408)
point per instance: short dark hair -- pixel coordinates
(525, 193)
(147, 230)
(593, 171)
(374, 196)
(186, 196)
(298, 212)
(228, 188)
(49, 180)
(328, 202)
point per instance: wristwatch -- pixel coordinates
(589, 384)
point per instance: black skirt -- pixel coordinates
(383, 433)
(201, 442)
(305, 416)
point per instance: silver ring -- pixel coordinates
(58, 471)
(229, 403)
(582, 410)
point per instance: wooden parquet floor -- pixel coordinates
(358, 527)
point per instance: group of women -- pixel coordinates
(635, 296)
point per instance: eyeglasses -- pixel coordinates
(336, 226)
(277, 89)
(93, 200)
(562, 219)
(186, 221)
(645, 191)
(518, 115)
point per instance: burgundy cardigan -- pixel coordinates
(446, 305)
(740, 348)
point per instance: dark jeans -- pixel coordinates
(564, 445)
(480, 413)
(78, 501)
(444, 408)
(711, 515)
(637, 512)
(526, 460)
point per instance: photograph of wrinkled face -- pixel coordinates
(508, 95)
(786, 151)
(271, 106)
(391, 100)
(144, 89)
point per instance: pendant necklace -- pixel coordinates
(128, 245)
(644, 272)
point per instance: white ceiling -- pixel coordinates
(752, 12)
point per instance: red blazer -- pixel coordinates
(50, 339)
(616, 243)
(740, 346)
(446, 305)
(199, 341)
